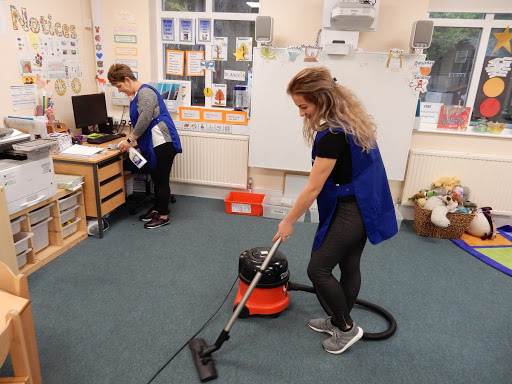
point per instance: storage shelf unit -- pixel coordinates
(57, 244)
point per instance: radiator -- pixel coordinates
(212, 159)
(489, 177)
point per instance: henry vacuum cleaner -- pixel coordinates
(263, 291)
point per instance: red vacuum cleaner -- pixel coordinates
(263, 291)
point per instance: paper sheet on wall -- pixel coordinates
(132, 63)
(174, 62)
(194, 63)
(23, 97)
(220, 48)
(234, 75)
(244, 48)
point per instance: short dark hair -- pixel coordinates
(118, 72)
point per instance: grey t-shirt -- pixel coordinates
(148, 109)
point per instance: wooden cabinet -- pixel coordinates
(60, 236)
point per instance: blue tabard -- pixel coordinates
(145, 142)
(369, 186)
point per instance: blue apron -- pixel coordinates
(369, 186)
(145, 141)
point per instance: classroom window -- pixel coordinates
(197, 82)
(236, 6)
(184, 5)
(454, 51)
(456, 15)
(503, 16)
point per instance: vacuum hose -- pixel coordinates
(365, 305)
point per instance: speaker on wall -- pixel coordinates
(421, 35)
(264, 29)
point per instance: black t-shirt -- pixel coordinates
(336, 146)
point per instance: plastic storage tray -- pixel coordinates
(21, 241)
(68, 214)
(244, 203)
(71, 228)
(41, 237)
(273, 208)
(68, 202)
(16, 224)
(21, 259)
(39, 215)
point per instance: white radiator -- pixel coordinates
(488, 177)
(212, 159)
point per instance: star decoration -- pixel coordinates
(241, 53)
(503, 40)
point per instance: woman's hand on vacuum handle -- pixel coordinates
(284, 230)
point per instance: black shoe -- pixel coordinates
(156, 222)
(148, 215)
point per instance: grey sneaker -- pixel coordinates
(340, 341)
(321, 325)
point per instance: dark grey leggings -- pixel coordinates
(343, 246)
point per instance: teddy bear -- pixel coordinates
(440, 206)
(446, 183)
(483, 225)
(421, 197)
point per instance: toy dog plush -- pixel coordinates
(440, 206)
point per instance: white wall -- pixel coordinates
(489, 6)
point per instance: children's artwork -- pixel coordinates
(220, 49)
(76, 86)
(395, 55)
(293, 53)
(311, 53)
(174, 62)
(498, 67)
(267, 53)
(424, 67)
(219, 95)
(503, 40)
(234, 75)
(194, 59)
(243, 50)
(204, 31)
(175, 93)
(453, 117)
(419, 83)
(208, 65)
(60, 87)
(186, 34)
(168, 30)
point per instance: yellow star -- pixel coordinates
(503, 40)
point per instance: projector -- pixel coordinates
(349, 16)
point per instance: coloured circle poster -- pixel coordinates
(490, 107)
(493, 87)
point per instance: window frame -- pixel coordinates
(158, 43)
(486, 25)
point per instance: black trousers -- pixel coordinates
(165, 154)
(342, 246)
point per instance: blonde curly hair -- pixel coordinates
(336, 107)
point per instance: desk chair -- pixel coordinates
(12, 341)
(140, 200)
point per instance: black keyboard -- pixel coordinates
(104, 138)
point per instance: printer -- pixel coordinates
(26, 166)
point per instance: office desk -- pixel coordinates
(103, 179)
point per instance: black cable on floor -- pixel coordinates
(195, 334)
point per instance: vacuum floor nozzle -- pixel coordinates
(204, 364)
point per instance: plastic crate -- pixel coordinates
(16, 224)
(41, 236)
(71, 228)
(68, 202)
(39, 215)
(244, 203)
(273, 208)
(68, 214)
(21, 241)
(21, 259)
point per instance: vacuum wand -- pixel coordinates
(201, 352)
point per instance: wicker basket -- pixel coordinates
(459, 222)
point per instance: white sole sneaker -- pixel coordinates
(320, 330)
(350, 343)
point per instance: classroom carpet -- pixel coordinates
(114, 310)
(496, 252)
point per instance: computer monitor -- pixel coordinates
(91, 110)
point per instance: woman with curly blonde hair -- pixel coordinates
(349, 182)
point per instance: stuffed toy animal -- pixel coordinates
(448, 183)
(440, 206)
(483, 225)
